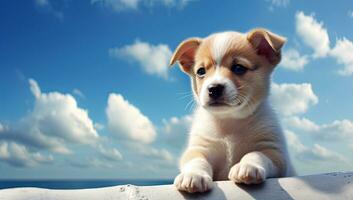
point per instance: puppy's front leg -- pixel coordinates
(256, 166)
(196, 172)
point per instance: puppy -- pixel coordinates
(235, 134)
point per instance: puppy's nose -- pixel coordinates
(215, 90)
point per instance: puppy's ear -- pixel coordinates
(185, 54)
(267, 44)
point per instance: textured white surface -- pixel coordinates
(323, 186)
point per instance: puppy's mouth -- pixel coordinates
(218, 104)
(221, 103)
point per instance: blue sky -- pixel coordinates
(86, 91)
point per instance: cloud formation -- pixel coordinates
(55, 121)
(291, 99)
(338, 130)
(128, 5)
(112, 154)
(46, 6)
(18, 155)
(78, 93)
(277, 3)
(313, 33)
(175, 131)
(126, 121)
(2, 128)
(154, 153)
(350, 13)
(154, 59)
(57, 115)
(292, 60)
(343, 52)
(311, 154)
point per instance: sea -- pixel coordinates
(79, 184)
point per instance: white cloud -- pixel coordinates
(278, 3)
(343, 52)
(338, 130)
(94, 162)
(313, 34)
(176, 131)
(292, 60)
(98, 126)
(124, 119)
(118, 5)
(326, 154)
(58, 115)
(78, 93)
(315, 153)
(303, 124)
(122, 5)
(291, 99)
(109, 154)
(152, 58)
(294, 142)
(4, 152)
(18, 155)
(350, 13)
(2, 127)
(158, 153)
(42, 2)
(151, 152)
(55, 121)
(33, 85)
(175, 122)
(47, 6)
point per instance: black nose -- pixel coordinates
(215, 90)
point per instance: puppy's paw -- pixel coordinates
(193, 182)
(247, 173)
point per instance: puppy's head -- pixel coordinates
(230, 71)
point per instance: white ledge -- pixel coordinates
(322, 186)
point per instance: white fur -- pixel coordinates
(221, 44)
(195, 176)
(255, 166)
(202, 166)
(232, 150)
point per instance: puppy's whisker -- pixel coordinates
(185, 96)
(184, 93)
(250, 103)
(236, 99)
(190, 103)
(193, 106)
(243, 98)
(241, 87)
(189, 92)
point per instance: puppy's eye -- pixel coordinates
(201, 72)
(239, 69)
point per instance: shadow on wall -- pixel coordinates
(261, 191)
(224, 191)
(215, 193)
(329, 184)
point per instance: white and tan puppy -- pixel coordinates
(235, 134)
